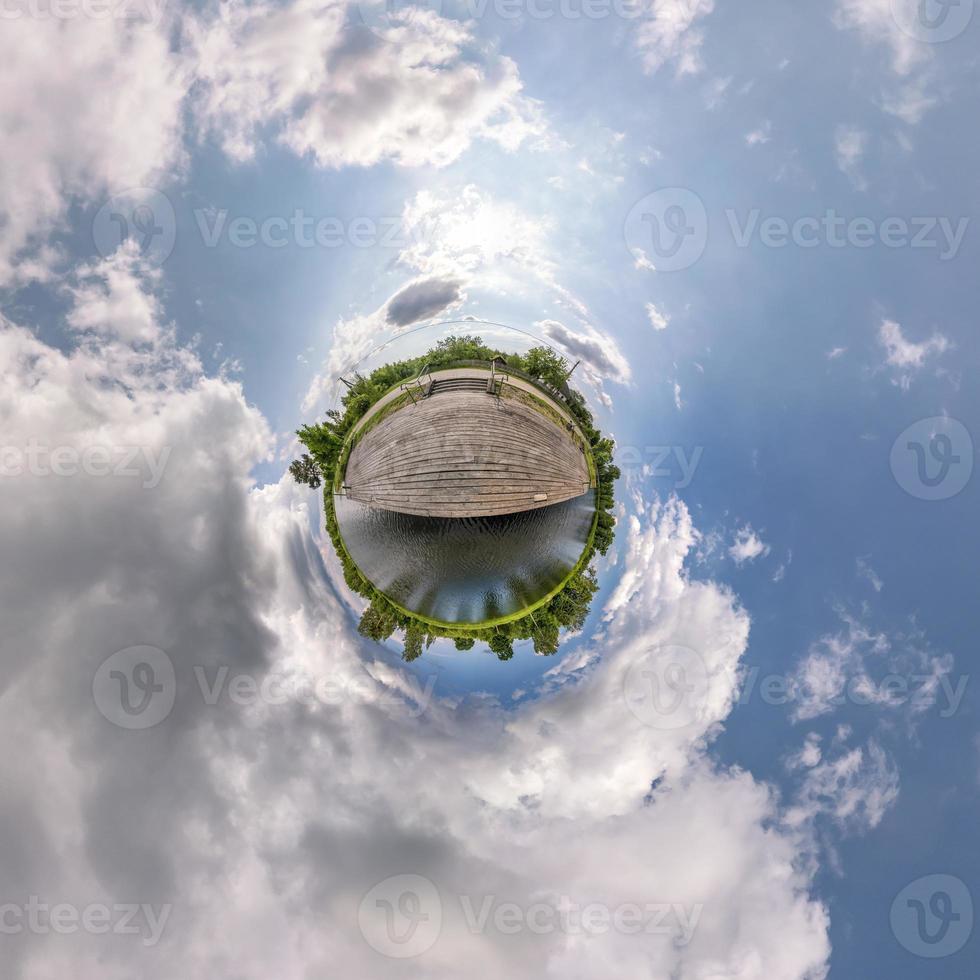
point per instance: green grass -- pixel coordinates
(540, 405)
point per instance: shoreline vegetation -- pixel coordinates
(329, 444)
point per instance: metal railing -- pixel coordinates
(416, 383)
(492, 388)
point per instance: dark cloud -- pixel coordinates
(422, 300)
(589, 349)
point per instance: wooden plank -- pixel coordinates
(462, 453)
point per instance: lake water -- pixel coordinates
(466, 570)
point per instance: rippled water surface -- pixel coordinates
(468, 570)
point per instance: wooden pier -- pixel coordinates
(462, 452)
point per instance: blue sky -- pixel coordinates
(767, 381)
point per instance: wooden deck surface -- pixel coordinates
(466, 454)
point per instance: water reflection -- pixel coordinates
(468, 570)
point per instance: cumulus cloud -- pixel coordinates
(262, 822)
(79, 122)
(597, 351)
(418, 96)
(111, 297)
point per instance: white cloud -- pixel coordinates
(79, 122)
(855, 666)
(875, 20)
(111, 297)
(850, 144)
(866, 571)
(909, 101)
(905, 94)
(836, 352)
(906, 356)
(641, 261)
(658, 320)
(855, 789)
(760, 135)
(598, 352)
(668, 34)
(747, 546)
(417, 96)
(354, 338)
(477, 242)
(780, 573)
(275, 819)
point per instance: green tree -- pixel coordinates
(546, 364)
(545, 632)
(465, 642)
(414, 638)
(379, 620)
(502, 646)
(305, 470)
